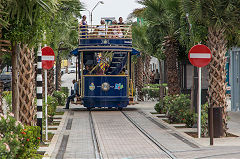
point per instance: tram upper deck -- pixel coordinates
(117, 38)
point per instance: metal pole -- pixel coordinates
(211, 121)
(39, 89)
(57, 69)
(199, 102)
(46, 108)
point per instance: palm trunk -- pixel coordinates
(147, 69)
(1, 91)
(58, 65)
(15, 90)
(171, 61)
(50, 81)
(139, 78)
(217, 71)
(26, 86)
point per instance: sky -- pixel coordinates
(110, 8)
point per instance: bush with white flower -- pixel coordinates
(18, 141)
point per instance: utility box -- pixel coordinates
(234, 78)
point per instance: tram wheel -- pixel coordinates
(120, 108)
(109, 107)
(88, 108)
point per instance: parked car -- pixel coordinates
(71, 69)
(6, 78)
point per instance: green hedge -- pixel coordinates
(177, 109)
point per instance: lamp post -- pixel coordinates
(94, 8)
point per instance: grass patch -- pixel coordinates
(52, 128)
(154, 112)
(50, 136)
(59, 113)
(55, 123)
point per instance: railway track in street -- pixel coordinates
(97, 150)
(160, 146)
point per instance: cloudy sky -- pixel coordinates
(110, 8)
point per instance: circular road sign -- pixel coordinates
(48, 57)
(199, 55)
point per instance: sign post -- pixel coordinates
(199, 56)
(48, 58)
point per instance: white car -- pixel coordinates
(71, 69)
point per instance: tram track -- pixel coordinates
(160, 146)
(97, 150)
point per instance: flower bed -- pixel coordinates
(18, 141)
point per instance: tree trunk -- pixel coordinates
(171, 61)
(26, 86)
(147, 69)
(50, 81)
(139, 78)
(217, 71)
(1, 91)
(15, 91)
(58, 67)
(161, 88)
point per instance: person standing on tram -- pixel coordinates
(83, 26)
(120, 21)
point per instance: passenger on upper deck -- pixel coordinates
(115, 30)
(83, 26)
(120, 21)
(102, 29)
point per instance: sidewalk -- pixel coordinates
(233, 125)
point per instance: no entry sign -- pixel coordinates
(48, 58)
(199, 55)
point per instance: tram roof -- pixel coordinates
(77, 51)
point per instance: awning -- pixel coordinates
(135, 52)
(74, 52)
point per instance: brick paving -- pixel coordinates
(162, 136)
(118, 138)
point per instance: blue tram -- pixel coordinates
(104, 66)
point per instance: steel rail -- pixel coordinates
(98, 153)
(160, 146)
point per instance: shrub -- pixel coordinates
(65, 90)
(177, 109)
(7, 95)
(152, 92)
(52, 106)
(17, 142)
(60, 96)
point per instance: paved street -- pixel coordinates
(133, 133)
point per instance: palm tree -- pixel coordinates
(164, 16)
(222, 19)
(23, 22)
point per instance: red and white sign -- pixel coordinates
(199, 55)
(48, 57)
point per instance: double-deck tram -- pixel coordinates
(104, 68)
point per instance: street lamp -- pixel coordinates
(95, 7)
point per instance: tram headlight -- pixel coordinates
(105, 86)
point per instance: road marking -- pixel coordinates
(47, 58)
(200, 55)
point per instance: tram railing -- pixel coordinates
(105, 32)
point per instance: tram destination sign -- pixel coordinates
(48, 57)
(199, 55)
